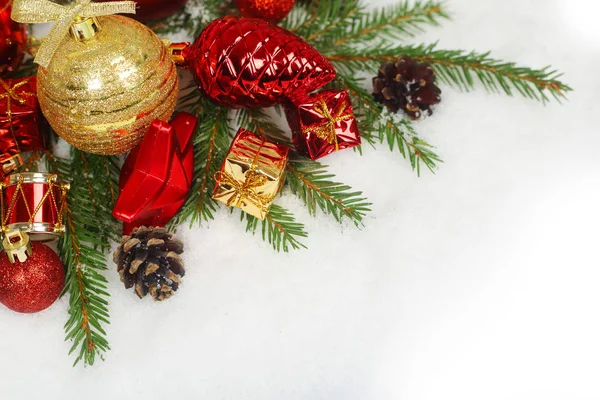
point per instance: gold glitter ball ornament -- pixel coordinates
(106, 83)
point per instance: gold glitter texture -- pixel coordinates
(100, 95)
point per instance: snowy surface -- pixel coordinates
(478, 282)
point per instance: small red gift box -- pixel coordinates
(22, 125)
(323, 123)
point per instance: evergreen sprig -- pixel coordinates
(461, 69)
(311, 181)
(379, 126)
(280, 228)
(392, 22)
(90, 228)
(211, 141)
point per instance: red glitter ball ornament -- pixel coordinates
(13, 39)
(247, 63)
(153, 10)
(33, 285)
(269, 10)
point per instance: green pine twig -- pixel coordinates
(379, 126)
(394, 22)
(461, 69)
(280, 228)
(311, 181)
(90, 229)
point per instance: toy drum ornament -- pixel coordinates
(33, 202)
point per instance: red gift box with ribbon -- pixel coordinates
(22, 125)
(323, 123)
(157, 175)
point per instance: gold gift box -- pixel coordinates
(252, 174)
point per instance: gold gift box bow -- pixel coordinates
(251, 176)
(327, 130)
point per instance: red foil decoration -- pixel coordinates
(22, 125)
(247, 63)
(153, 10)
(13, 39)
(33, 285)
(157, 175)
(323, 123)
(269, 10)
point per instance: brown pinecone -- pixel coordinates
(407, 85)
(149, 260)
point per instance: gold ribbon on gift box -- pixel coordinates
(251, 175)
(327, 131)
(244, 191)
(40, 11)
(11, 95)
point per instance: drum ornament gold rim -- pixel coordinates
(39, 231)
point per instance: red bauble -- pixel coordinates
(153, 10)
(243, 62)
(269, 10)
(33, 285)
(13, 39)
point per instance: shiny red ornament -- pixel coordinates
(153, 10)
(22, 125)
(33, 285)
(157, 175)
(269, 10)
(323, 123)
(13, 39)
(247, 63)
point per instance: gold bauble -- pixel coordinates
(101, 92)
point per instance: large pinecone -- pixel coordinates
(149, 260)
(407, 85)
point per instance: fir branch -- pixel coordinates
(256, 120)
(461, 69)
(395, 21)
(324, 19)
(89, 231)
(211, 142)
(279, 228)
(381, 126)
(311, 181)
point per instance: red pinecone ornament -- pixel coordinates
(247, 63)
(269, 10)
(407, 85)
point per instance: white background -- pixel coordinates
(478, 282)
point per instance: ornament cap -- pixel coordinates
(84, 29)
(17, 246)
(178, 51)
(12, 163)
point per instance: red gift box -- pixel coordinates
(22, 125)
(157, 175)
(323, 123)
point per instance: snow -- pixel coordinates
(478, 282)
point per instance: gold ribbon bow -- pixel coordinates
(39, 11)
(327, 131)
(245, 190)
